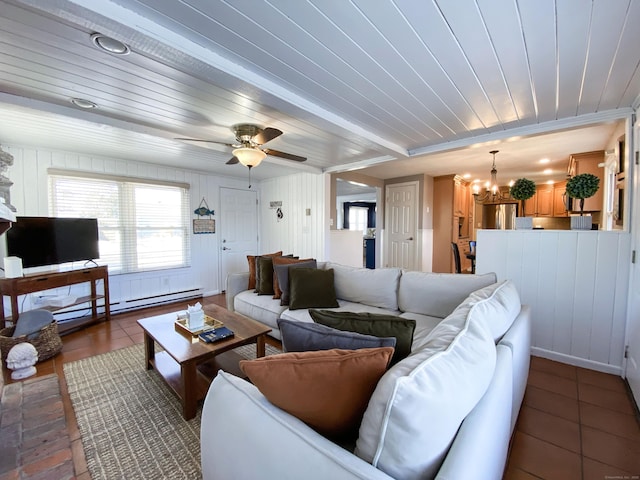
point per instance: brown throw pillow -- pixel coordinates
(251, 259)
(311, 288)
(277, 291)
(327, 389)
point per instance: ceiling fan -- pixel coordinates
(249, 140)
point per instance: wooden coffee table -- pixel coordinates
(188, 365)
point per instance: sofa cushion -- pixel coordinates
(501, 305)
(281, 266)
(424, 325)
(377, 287)
(371, 324)
(261, 308)
(445, 291)
(251, 260)
(419, 404)
(303, 337)
(327, 389)
(311, 288)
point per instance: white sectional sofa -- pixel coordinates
(447, 411)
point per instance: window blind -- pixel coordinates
(142, 225)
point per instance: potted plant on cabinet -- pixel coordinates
(523, 189)
(582, 186)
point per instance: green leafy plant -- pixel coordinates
(583, 186)
(522, 189)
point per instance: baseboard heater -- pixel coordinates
(137, 303)
(144, 302)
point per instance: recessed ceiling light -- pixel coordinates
(547, 171)
(83, 103)
(466, 175)
(109, 44)
(545, 160)
(550, 182)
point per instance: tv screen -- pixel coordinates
(41, 241)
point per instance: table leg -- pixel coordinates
(189, 390)
(260, 346)
(149, 351)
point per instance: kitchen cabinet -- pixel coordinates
(541, 204)
(560, 200)
(451, 220)
(460, 197)
(589, 162)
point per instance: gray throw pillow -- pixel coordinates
(282, 272)
(371, 324)
(311, 288)
(304, 337)
(32, 321)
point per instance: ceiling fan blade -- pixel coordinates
(288, 156)
(233, 160)
(267, 135)
(205, 141)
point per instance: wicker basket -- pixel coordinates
(48, 342)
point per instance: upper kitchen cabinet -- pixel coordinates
(589, 162)
(460, 197)
(541, 204)
(560, 200)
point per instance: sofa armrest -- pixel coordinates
(518, 340)
(243, 435)
(482, 442)
(236, 283)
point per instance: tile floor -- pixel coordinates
(574, 423)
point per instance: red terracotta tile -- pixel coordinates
(544, 460)
(552, 403)
(610, 421)
(555, 368)
(594, 470)
(552, 429)
(517, 474)
(602, 380)
(611, 449)
(553, 383)
(606, 398)
(49, 462)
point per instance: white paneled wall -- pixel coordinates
(300, 230)
(576, 283)
(29, 195)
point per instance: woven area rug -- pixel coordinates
(130, 422)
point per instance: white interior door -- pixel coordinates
(238, 230)
(401, 225)
(632, 369)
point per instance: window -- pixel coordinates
(143, 225)
(358, 218)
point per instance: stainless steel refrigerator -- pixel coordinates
(500, 216)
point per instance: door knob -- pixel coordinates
(410, 238)
(225, 248)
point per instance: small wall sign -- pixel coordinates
(204, 225)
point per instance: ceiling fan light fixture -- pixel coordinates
(249, 157)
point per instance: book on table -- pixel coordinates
(215, 335)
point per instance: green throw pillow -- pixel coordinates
(311, 288)
(264, 275)
(371, 324)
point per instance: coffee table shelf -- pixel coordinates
(187, 365)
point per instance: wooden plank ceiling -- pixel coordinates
(351, 83)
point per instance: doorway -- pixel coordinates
(401, 225)
(238, 230)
